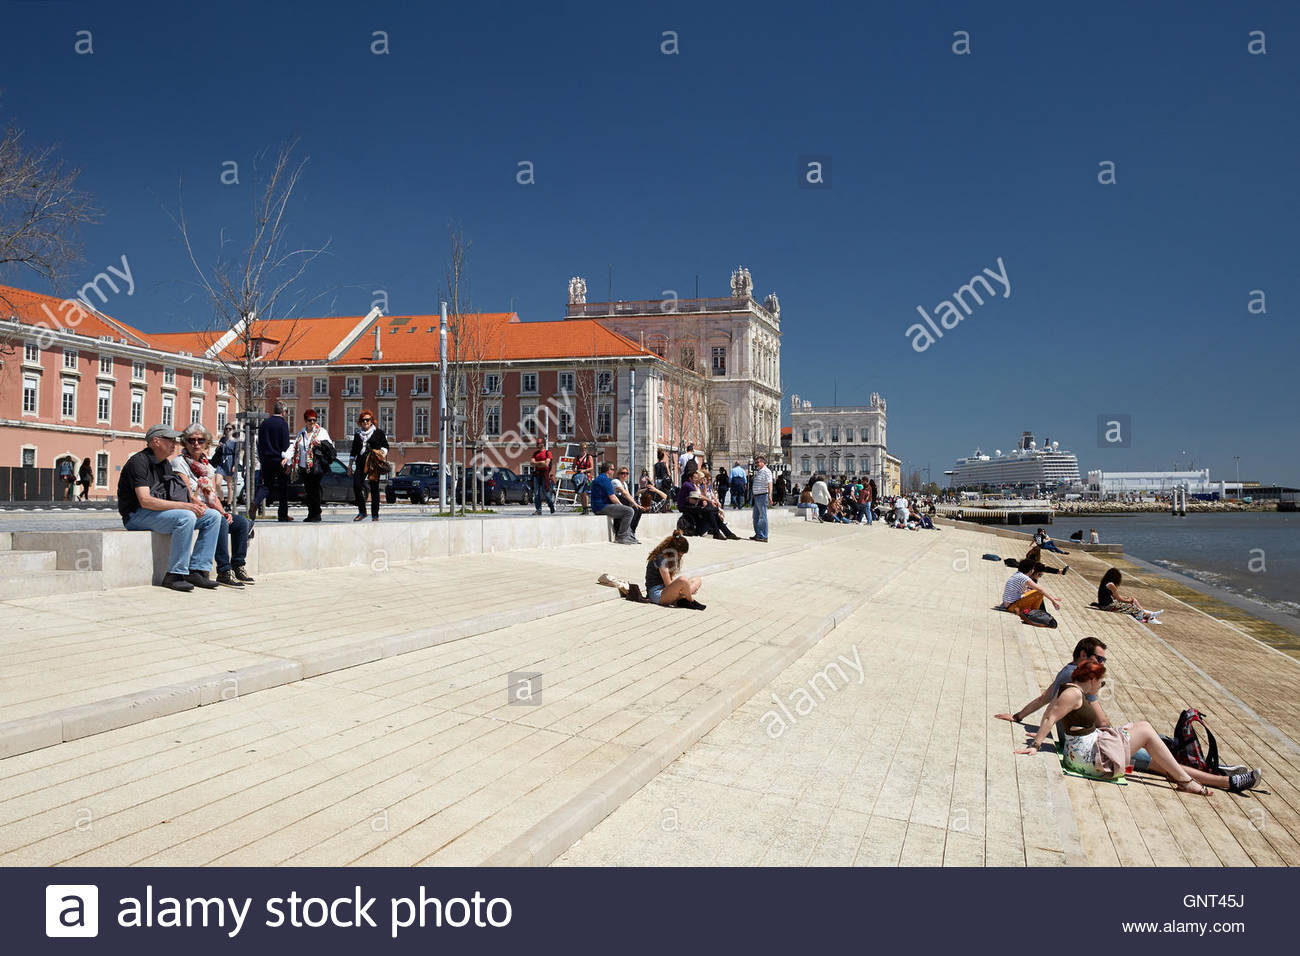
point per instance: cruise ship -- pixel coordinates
(1028, 465)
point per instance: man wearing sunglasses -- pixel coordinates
(153, 497)
(1087, 649)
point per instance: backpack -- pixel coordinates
(218, 456)
(1038, 617)
(1187, 748)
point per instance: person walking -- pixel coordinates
(272, 445)
(67, 475)
(739, 478)
(543, 463)
(762, 489)
(369, 461)
(311, 453)
(584, 473)
(85, 477)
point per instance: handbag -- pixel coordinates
(376, 464)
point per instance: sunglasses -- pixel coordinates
(196, 441)
(1099, 658)
(361, 420)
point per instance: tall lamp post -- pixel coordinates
(1237, 459)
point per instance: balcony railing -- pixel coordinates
(664, 306)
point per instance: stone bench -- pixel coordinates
(129, 558)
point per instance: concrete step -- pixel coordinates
(45, 583)
(6, 540)
(17, 563)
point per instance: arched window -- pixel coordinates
(807, 465)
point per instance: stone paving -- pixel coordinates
(656, 737)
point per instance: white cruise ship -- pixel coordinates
(1028, 465)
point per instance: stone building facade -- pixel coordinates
(734, 342)
(838, 440)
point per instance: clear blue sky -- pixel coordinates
(1126, 298)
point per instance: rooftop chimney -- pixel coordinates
(377, 353)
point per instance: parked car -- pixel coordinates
(335, 486)
(416, 481)
(503, 486)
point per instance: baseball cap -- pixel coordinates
(161, 431)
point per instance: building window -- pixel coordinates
(566, 382)
(565, 423)
(70, 358)
(422, 388)
(720, 434)
(528, 383)
(31, 389)
(169, 375)
(821, 463)
(290, 416)
(387, 385)
(196, 379)
(805, 436)
(104, 406)
(849, 464)
(386, 416)
(352, 385)
(659, 345)
(196, 410)
(101, 469)
(168, 403)
(137, 408)
(31, 352)
(492, 384)
(806, 464)
(422, 420)
(288, 386)
(223, 386)
(350, 418)
(819, 436)
(29, 457)
(69, 407)
(106, 365)
(492, 416)
(848, 436)
(322, 418)
(835, 463)
(223, 416)
(835, 433)
(688, 357)
(605, 419)
(528, 418)
(137, 371)
(320, 387)
(259, 388)
(719, 360)
(605, 384)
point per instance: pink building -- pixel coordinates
(77, 384)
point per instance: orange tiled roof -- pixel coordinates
(787, 431)
(31, 308)
(294, 340)
(490, 337)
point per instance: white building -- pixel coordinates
(839, 440)
(1105, 484)
(734, 342)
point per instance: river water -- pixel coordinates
(1255, 555)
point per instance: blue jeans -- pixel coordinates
(760, 515)
(237, 533)
(737, 492)
(542, 491)
(180, 524)
(1051, 546)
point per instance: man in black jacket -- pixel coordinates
(272, 443)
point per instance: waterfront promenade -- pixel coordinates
(385, 733)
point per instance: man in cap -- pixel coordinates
(151, 496)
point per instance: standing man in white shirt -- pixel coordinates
(762, 491)
(683, 458)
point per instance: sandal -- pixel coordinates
(1191, 786)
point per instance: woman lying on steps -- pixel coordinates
(1087, 753)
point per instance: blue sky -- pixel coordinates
(1129, 298)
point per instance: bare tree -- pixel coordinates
(255, 284)
(41, 214)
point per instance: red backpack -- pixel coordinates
(1187, 747)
